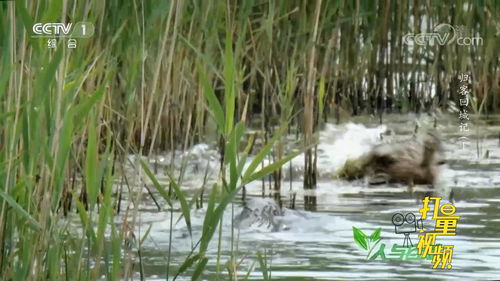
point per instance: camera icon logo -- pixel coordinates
(406, 224)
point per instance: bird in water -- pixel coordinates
(414, 161)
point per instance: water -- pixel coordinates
(319, 245)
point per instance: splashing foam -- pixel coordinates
(337, 144)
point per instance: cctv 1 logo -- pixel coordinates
(70, 30)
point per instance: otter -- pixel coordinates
(415, 161)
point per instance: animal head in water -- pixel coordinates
(415, 161)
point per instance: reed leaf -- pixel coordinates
(156, 184)
(185, 207)
(20, 211)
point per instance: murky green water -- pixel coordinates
(319, 245)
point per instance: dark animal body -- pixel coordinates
(414, 161)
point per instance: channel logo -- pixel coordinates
(57, 29)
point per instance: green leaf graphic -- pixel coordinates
(375, 235)
(360, 238)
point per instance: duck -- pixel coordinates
(413, 161)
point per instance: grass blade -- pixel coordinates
(19, 209)
(184, 204)
(156, 184)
